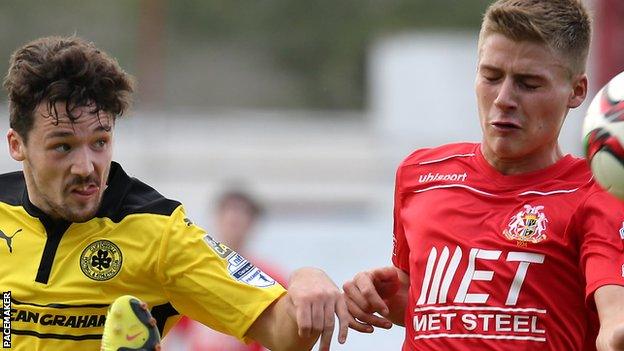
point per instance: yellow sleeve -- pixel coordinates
(209, 282)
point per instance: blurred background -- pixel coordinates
(306, 105)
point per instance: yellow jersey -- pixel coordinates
(58, 278)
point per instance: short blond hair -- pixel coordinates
(563, 25)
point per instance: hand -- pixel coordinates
(609, 303)
(617, 339)
(316, 299)
(367, 294)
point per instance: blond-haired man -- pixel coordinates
(523, 252)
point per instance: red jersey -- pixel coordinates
(502, 262)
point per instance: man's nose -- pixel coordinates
(506, 98)
(82, 163)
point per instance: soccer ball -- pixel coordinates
(603, 131)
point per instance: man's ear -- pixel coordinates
(579, 91)
(17, 147)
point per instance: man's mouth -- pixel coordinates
(87, 190)
(505, 125)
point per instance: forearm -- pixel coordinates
(283, 334)
(296, 320)
(609, 302)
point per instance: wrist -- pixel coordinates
(304, 271)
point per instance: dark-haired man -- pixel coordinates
(89, 233)
(524, 251)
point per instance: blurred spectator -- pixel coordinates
(235, 218)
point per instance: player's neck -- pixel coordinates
(523, 164)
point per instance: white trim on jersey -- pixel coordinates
(455, 186)
(479, 336)
(476, 308)
(563, 191)
(445, 158)
(528, 192)
(535, 192)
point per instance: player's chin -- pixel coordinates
(81, 213)
(505, 147)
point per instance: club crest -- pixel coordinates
(101, 260)
(527, 226)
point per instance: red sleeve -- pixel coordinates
(601, 222)
(400, 251)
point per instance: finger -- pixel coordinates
(357, 298)
(328, 326)
(353, 293)
(376, 321)
(318, 318)
(354, 324)
(363, 300)
(361, 327)
(371, 296)
(386, 281)
(344, 317)
(367, 318)
(304, 320)
(355, 310)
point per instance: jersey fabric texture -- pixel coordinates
(502, 262)
(63, 276)
(189, 335)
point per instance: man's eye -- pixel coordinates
(100, 144)
(528, 86)
(490, 78)
(62, 148)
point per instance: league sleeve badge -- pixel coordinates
(238, 266)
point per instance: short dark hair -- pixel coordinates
(234, 195)
(64, 69)
(563, 25)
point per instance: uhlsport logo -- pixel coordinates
(101, 260)
(9, 239)
(527, 226)
(432, 177)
